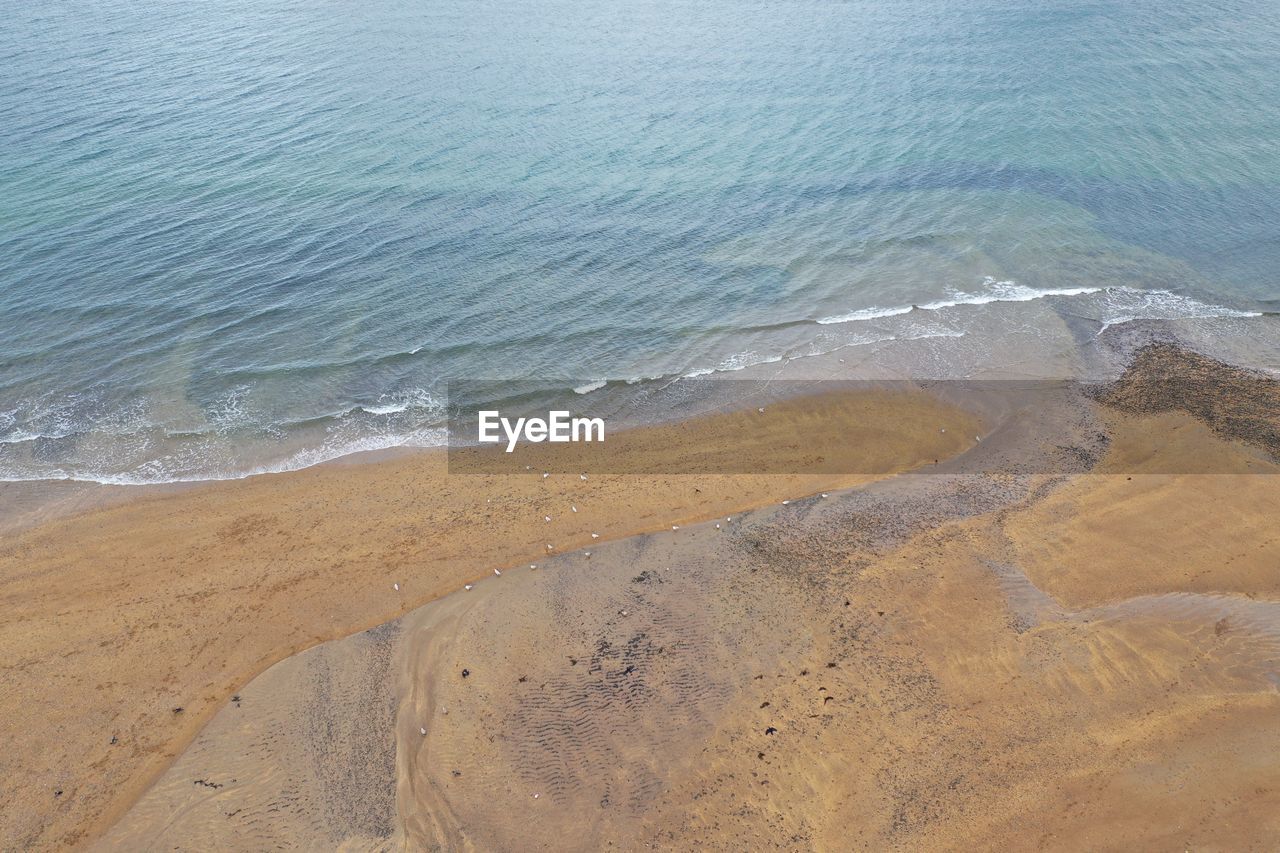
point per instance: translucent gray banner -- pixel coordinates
(1138, 424)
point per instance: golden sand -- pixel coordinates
(127, 627)
(769, 685)
(987, 661)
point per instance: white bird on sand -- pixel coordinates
(717, 525)
(573, 507)
(545, 475)
(550, 547)
(730, 518)
(396, 587)
(595, 535)
(546, 518)
(535, 796)
(675, 527)
(824, 494)
(533, 565)
(497, 572)
(468, 586)
(588, 553)
(582, 476)
(422, 729)
(784, 503)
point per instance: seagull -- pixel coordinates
(468, 586)
(533, 565)
(497, 572)
(761, 410)
(824, 494)
(546, 518)
(574, 508)
(717, 525)
(396, 587)
(422, 729)
(535, 796)
(595, 535)
(784, 503)
(675, 527)
(588, 553)
(582, 476)
(550, 547)
(545, 475)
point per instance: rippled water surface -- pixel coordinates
(237, 235)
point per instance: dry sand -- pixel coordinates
(128, 627)
(961, 660)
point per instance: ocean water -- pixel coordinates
(244, 235)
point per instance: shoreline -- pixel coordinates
(175, 600)
(1251, 342)
(1004, 338)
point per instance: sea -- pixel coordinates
(240, 236)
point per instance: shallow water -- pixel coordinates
(242, 236)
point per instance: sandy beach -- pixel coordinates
(544, 426)
(1055, 659)
(130, 626)
(959, 659)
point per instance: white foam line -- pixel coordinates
(1002, 291)
(294, 462)
(590, 386)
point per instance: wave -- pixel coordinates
(1126, 305)
(1116, 304)
(127, 444)
(1108, 306)
(157, 473)
(140, 451)
(417, 398)
(591, 386)
(997, 291)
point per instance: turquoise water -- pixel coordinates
(243, 236)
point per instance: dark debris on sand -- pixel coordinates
(1232, 401)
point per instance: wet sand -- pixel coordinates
(1088, 659)
(128, 627)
